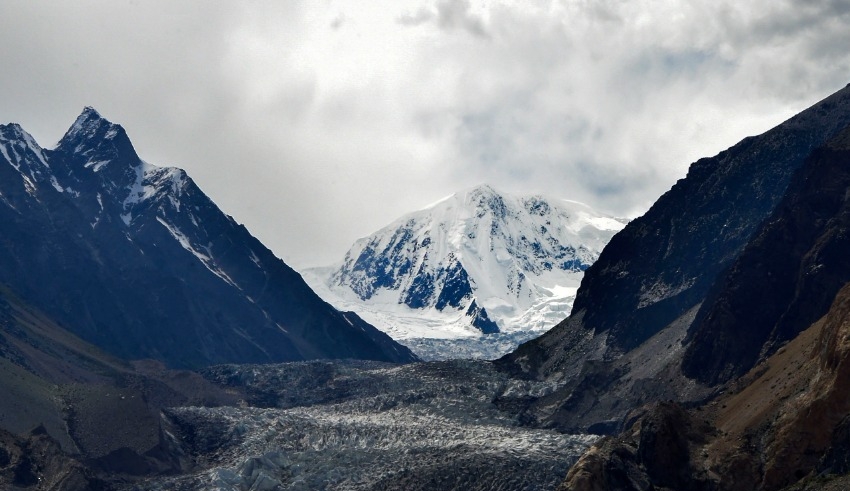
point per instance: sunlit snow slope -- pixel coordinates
(472, 275)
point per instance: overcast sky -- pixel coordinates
(315, 123)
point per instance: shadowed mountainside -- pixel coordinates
(661, 291)
(785, 423)
(663, 264)
(769, 344)
(73, 416)
(137, 260)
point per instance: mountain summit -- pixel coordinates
(136, 259)
(477, 262)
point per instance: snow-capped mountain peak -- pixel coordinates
(96, 163)
(481, 259)
(99, 153)
(92, 132)
(88, 125)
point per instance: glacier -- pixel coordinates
(356, 425)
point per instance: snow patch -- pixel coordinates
(254, 258)
(150, 182)
(7, 157)
(205, 259)
(95, 165)
(56, 184)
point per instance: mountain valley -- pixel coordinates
(148, 342)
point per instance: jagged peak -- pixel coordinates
(91, 125)
(11, 129)
(89, 111)
(14, 131)
(14, 135)
(87, 119)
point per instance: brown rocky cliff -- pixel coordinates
(657, 452)
(771, 429)
(807, 424)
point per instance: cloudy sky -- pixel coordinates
(315, 123)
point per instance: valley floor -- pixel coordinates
(367, 426)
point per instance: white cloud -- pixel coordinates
(318, 122)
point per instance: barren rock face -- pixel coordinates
(802, 398)
(783, 422)
(785, 278)
(37, 462)
(735, 261)
(666, 262)
(806, 426)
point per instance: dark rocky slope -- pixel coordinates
(137, 260)
(663, 286)
(770, 345)
(75, 418)
(36, 462)
(664, 263)
(785, 278)
(784, 425)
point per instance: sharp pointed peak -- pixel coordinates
(90, 125)
(89, 111)
(12, 130)
(90, 116)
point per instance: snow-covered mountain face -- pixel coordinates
(137, 260)
(477, 262)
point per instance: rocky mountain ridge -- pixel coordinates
(757, 369)
(638, 311)
(783, 425)
(139, 261)
(785, 278)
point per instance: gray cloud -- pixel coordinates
(448, 15)
(456, 14)
(421, 16)
(317, 123)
